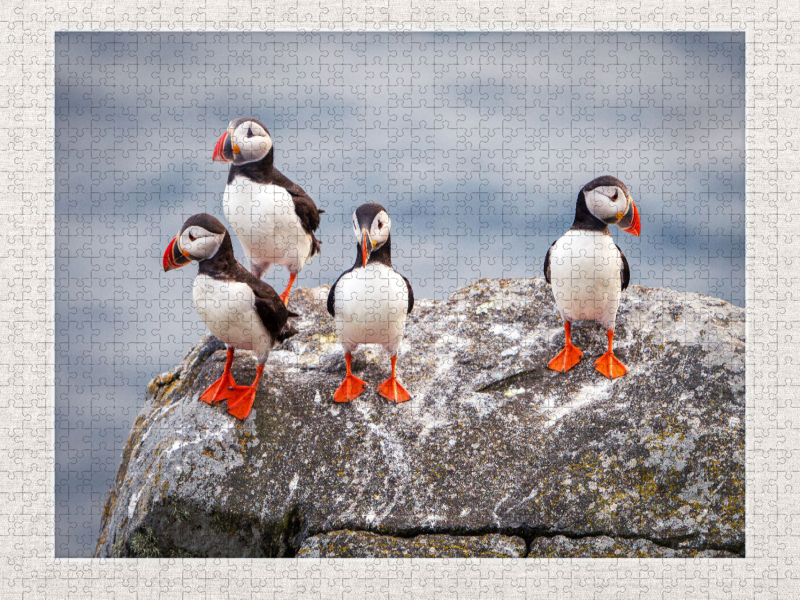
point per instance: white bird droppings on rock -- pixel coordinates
(586, 395)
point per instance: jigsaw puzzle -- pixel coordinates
(418, 325)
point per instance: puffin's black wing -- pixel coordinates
(331, 308)
(269, 306)
(304, 206)
(306, 210)
(410, 295)
(547, 263)
(267, 312)
(626, 272)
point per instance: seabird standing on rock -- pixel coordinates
(588, 271)
(239, 309)
(370, 301)
(273, 218)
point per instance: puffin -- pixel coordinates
(370, 302)
(588, 272)
(241, 310)
(273, 217)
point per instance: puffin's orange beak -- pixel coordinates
(173, 257)
(630, 222)
(364, 254)
(219, 149)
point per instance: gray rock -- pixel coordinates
(362, 544)
(492, 442)
(606, 547)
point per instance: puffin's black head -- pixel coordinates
(371, 226)
(199, 239)
(607, 199)
(246, 140)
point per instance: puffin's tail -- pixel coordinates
(287, 332)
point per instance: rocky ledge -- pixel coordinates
(495, 455)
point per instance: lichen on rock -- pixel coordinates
(361, 544)
(603, 546)
(492, 442)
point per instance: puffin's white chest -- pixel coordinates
(371, 305)
(228, 309)
(586, 275)
(266, 223)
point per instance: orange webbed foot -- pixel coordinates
(566, 359)
(350, 389)
(218, 391)
(610, 366)
(392, 390)
(240, 401)
(241, 397)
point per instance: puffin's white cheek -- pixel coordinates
(602, 207)
(380, 233)
(254, 148)
(205, 247)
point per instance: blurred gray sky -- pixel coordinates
(476, 143)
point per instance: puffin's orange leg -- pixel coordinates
(219, 390)
(351, 387)
(241, 397)
(569, 356)
(608, 364)
(287, 291)
(391, 388)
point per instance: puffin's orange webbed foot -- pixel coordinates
(241, 397)
(218, 391)
(609, 365)
(350, 389)
(566, 359)
(569, 356)
(392, 390)
(240, 401)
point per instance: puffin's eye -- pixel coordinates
(615, 196)
(249, 132)
(380, 224)
(191, 237)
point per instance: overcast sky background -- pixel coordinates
(476, 143)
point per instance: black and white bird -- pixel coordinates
(370, 301)
(588, 271)
(239, 309)
(273, 217)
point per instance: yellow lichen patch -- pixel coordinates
(211, 452)
(245, 438)
(101, 541)
(160, 381)
(170, 387)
